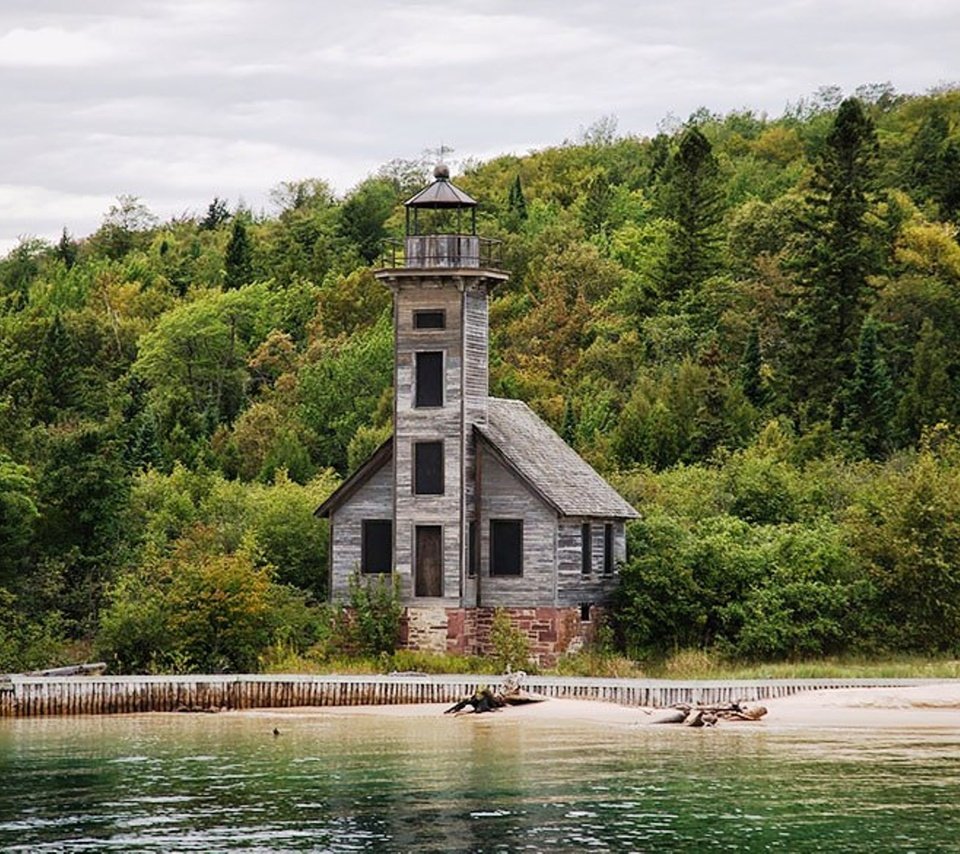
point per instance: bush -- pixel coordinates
(202, 610)
(511, 646)
(373, 625)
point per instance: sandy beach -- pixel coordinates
(935, 705)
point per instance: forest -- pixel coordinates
(749, 324)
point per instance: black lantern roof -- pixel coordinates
(441, 193)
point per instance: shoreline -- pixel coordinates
(928, 706)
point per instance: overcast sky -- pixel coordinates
(176, 101)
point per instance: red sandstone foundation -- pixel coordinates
(466, 631)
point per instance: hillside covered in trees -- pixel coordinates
(751, 325)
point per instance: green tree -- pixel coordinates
(18, 518)
(751, 369)
(867, 399)
(929, 397)
(58, 387)
(516, 203)
(364, 213)
(838, 258)
(217, 213)
(238, 260)
(690, 196)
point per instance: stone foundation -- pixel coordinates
(466, 631)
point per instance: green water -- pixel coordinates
(339, 783)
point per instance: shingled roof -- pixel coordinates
(547, 464)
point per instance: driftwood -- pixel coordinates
(708, 715)
(510, 693)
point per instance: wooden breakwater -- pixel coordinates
(32, 696)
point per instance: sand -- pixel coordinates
(934, 705)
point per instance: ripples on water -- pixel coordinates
(336, 783)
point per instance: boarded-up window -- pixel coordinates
(376, 545)
(506, 547)
(473, 547)
(429, 379)
(586, 546)
(429, 320)
(428, 468)
(608, 548)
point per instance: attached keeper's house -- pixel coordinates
(474, 503)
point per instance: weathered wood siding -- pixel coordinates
(504, 496)
(412, 424)
(373, 500)
(574, 587)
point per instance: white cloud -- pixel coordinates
(53, 47)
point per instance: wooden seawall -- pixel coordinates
(29, 696)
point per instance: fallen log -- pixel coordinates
(510, 693)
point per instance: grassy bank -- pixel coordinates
(682, 665)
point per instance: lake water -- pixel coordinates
(374, 783)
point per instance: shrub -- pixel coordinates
(511, 646)
(373, 627)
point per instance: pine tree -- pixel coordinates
(929, 397)
(238, 260)
(67, 249)
(57, 388)
(690, 196)
(568, 430)
(867, 398)
(839, 255)
(217, 213)
(516, 202)
(924, 166)
(751, 378)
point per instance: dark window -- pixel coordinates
(428, 468)
(430, 379)
(376, 546)
(608, 548)
(506, 547)
(585, 612)
(429, 320)
(473, 547)
(586, 555)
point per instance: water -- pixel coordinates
(347, 783)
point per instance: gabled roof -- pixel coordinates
(372, 465)
(547, 464)
(530, 449)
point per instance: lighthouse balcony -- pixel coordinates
(443, 251)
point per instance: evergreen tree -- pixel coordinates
(67, 249)
(867, 398)
(568, 430)
(839, 256)
(57, 388)
(924, 170)
(238, 261)
(516, 202)
(751, 378)
(217, 213)
(929, 397)
(690, 196)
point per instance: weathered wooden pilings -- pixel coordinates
(27, 696)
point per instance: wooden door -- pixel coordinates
(429, 572)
